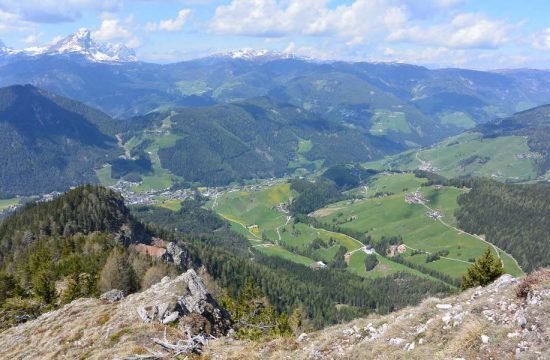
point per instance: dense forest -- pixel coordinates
(313, 195)
(74, 246)
(41, 133)
(259, 138)
(516, 218)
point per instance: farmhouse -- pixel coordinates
(318, 265)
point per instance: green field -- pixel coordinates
(244, 209)
(104, 176)
(458, 119)
(385, 121)
(392, 216)
(470, 154)
(255, 215)
(5, 203)
(160, 178)
(174, 205)
(192, 87)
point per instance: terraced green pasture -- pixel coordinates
(392, 216)
(501, 158)
(246, 208)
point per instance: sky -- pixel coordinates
(482, 34)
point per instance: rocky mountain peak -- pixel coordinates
(83, 42)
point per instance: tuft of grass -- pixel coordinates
(115, 338)
(103, 318)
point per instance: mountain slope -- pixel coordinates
(84, 210)
(48, 142)
(260, 138)
(513, 148)
(505, 320)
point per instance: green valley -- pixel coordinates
(426, 227)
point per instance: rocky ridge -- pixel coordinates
(509, 319)
(175, 313)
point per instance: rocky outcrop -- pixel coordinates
(509, 319)
(165, 316)
(187, 301)
(112, 295)
(177, 255)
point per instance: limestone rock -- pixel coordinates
(177, 255)
(185, 299)
(112, 295)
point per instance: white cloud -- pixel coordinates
(12, 22)
(55, 11)
(175, 24)
(270, 18)
(363, 21)
(112, 28)
(541, 40)
(463, 31)
(31, 39)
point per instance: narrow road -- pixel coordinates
(288, 218)
(497, 249)
(240, 223)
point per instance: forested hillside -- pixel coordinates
(49, 143)
(260, 138)
(516, 218)
(74, 246)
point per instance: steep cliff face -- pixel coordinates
(505, 320)
(173, 314)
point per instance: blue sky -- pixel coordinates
(482, 34)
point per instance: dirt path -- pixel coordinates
(120, 144)
(288, 218)
(240, 223)
(497, 249)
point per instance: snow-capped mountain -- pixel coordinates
(81, 43)
(256, 55)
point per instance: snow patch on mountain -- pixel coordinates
(80, 43)
(250, 54)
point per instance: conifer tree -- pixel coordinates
(484, 271)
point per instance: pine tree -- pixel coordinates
(484, 271)
(44, 286)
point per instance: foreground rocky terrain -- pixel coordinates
(505, 320)
(164, 319)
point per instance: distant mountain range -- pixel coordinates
(112, 79)
(79, 44)
(244, 114)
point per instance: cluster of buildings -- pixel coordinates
(415, 198)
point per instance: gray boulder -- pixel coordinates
(186, 300)
(112, 295)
